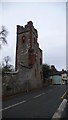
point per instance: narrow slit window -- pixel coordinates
(40, 61)
(23, 39)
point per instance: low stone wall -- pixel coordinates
(10, 83)
(23, 80)
(16, 82)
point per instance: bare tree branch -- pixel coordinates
(6, 60)
(3, 36)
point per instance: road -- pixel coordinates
(36, 104)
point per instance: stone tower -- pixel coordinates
(28, 55)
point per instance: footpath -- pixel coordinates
(65, 113)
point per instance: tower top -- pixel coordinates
(26, 28)
(30, 22)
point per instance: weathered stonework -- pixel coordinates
(28, 66)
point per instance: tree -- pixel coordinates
(9, 68)
(46, 71)
(53, 70)
(7, 60)
(3, 36)
(6, 65)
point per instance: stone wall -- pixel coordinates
(10, 83)
(20, 81)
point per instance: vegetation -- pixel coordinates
(53, 70)
(6, 67)
(5, 63)
(3, 36)
(46, 71)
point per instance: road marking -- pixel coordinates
(60, 110)
(64, 94)
(38, 95)
(42, 94)
(22, 102)
(12, 105)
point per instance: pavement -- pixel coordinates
(36, 104)
(65, 115)
(65, 112)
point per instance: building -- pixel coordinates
(56, 79)
(60, 77)
(28, 65)
(28, 54)
(64, 77)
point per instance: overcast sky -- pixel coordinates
(50, 21)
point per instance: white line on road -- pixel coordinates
(42, 94)
(39, 95)
(12, 105)
(64, 94)
(58, 113)
(22, 101)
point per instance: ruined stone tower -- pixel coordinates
(28, 65)
(28, 56)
